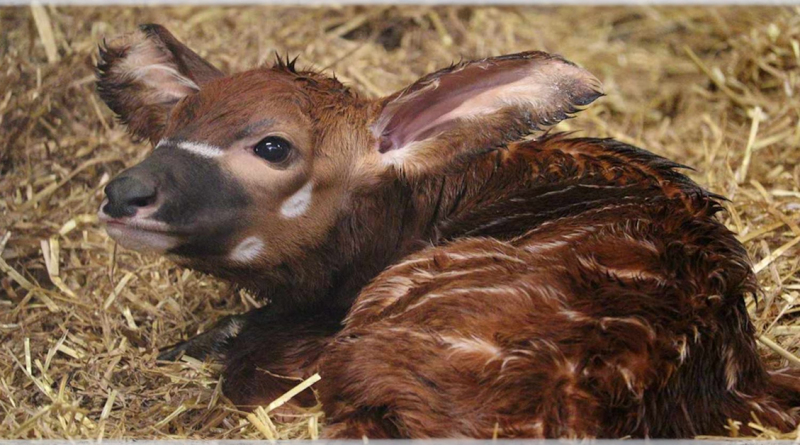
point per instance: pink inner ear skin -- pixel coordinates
(549, 87)
(450, 97)
(187, 62)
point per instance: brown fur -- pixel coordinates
(450, 280)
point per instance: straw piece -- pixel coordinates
(129, 318)
(70, 352)
(293, 392)
(762, 231)
(121, 285)
(786, 330)
(100, 117)
(313, 427)
(718, 82)
(261, 421)
(73, 223)
(44, 389)
(368, 85)
(28, 366)
(793, 359)
(178, 411)
(52, 351)
(14, 275)
(756, 115)
(49, 190)
(51, 250)
(447, 40)
(30, 422)
(3, 241)
(45, 28)
(781, 216)
(109, 405)
(761, 265)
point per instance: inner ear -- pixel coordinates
(188, 64)
(531, 90)
(141, 76)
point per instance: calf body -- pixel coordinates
(446, 274)
(601, 300)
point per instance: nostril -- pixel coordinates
(127, 194)
(143, 201)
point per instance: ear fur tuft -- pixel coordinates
(142, 75)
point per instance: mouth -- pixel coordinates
(140, 233)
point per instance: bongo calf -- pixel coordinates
(447, 267)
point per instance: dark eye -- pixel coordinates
(273, 149)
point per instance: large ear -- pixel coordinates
(479, 105)
(141, 76)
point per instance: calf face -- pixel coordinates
(257, 167)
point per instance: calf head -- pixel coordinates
(257, 168)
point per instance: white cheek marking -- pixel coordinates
(247, 250)
(298, 203)
(198, 148)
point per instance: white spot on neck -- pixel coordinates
(247, 250)
(399, 155)
(298, 203)
(198, 148)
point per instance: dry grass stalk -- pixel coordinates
(42, 20)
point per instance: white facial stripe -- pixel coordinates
(201, 149)
(247, 250)
(198, 148)
(298, 203)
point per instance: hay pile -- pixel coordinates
(80, 321)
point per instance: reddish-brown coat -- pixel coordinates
(554, 287)
(578, 287)
(607, 304)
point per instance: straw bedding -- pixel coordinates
(81, 320)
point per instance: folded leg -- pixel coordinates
(212, 344)
(265, 352)
(274, 352)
